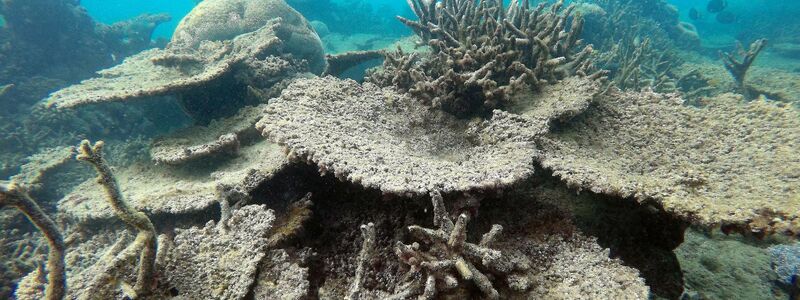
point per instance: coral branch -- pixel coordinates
(146, 237)
(739, 68)
(15, 195)
(449, 255)
(367, 251)
(483, 53)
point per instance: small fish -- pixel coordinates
(726, 17)
(694, 14)
(715, 6)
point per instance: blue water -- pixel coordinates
(110, 11)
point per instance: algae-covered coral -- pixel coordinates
(451, 172)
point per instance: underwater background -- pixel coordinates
(706, 54)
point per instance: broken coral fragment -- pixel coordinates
(388, 141)
(730, 163)
(220, 136)
(219, 262)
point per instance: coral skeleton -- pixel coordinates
(450, 256)
(482, 53)
(146, 238)
(366, 254)
(738, 66)
(13, 194)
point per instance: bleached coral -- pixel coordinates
(388, 141)
(730, 163)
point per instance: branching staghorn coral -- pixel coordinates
(449, 255)
(367, 252)
(483, 53)
(641, 66)
(146, 238)
(14, 195)
(738, 68)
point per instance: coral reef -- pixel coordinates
(413, 150)
(483, 53)
(650, 147)
(31, 174)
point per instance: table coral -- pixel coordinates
(730, 163)
(388, 141)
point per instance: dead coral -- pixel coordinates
(213, 262)
(737, 68)
(220, 20)
(176, 190)
(14, 195)
(220, 137)
(388, 141)
(449, 255)
(483, 53)
(145, 243)
(339, 63)
(729, 163)
(206, 68)
(158, 72)
(366, 254)
(31, 173)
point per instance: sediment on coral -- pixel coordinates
(215, 261)
(483, 53)
(450, 256)
(390, 142)
(728, 164)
